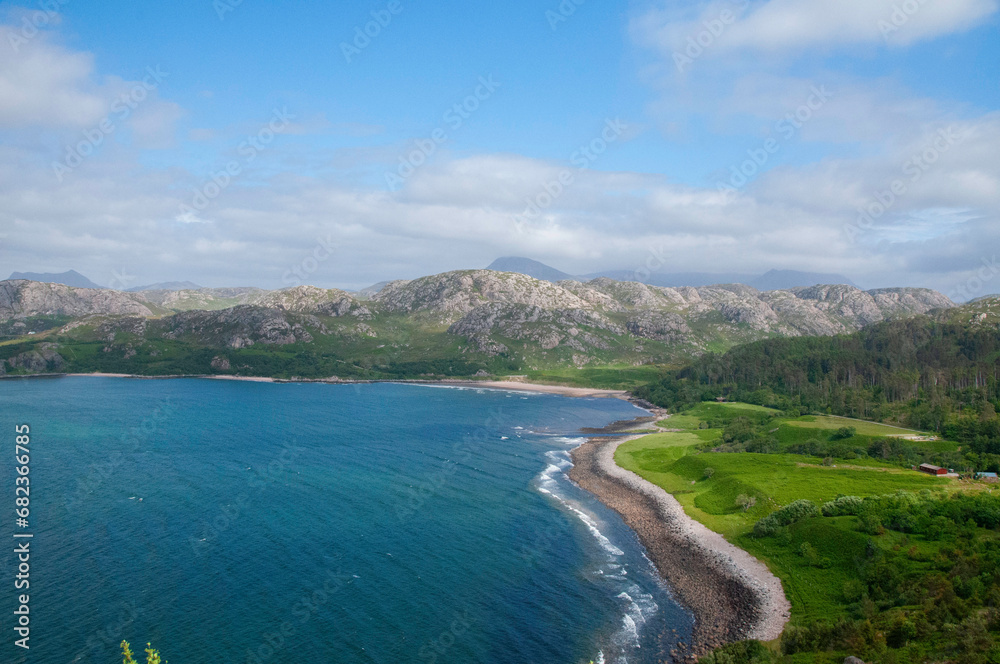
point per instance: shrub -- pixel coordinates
(843, 506)
(871, 524)
(741, 652)
(746, 502)
(787, 515)
(708, 473)
(843, 433)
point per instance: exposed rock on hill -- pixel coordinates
(457, 293)
(578, 329)
(419, 325)
(660, 325)
(238, 327)
(21, 299)
(309, 299)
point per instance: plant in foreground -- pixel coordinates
(152, 655)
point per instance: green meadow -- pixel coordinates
(818, 559)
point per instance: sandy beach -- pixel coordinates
(482, 384)
(538, 387)
(732, 595)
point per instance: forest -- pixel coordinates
(919, 373)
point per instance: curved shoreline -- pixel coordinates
(732, 595)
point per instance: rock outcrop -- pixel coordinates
(22, 299)
(578, 329)
(454, 294)
(237, 327)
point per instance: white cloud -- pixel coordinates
(45, 86)
(778, 26)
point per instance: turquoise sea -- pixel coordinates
(232, 522)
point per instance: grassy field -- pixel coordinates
(708, 483)
(833, 422)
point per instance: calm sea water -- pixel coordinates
(233, 522)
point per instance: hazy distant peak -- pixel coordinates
(68, 278)
(530, 267)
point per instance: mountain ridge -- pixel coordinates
(480, 320)
(771, 280)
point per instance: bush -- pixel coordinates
(785, 516)
(746, 502)
(843, 506)
(843, 433)
(708, 473)
(741, 652)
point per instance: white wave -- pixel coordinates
(569, 440)
(638, 606)
(548, 483)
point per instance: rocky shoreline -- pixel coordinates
(732, 595)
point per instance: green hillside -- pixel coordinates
(905, 569)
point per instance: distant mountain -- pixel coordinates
(167, 286)
(70, 278)
(773, 280)
(371, 291)
(528, 267)
(785, 279)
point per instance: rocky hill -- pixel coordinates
(22, 299)
(453, 294)
(478, 317)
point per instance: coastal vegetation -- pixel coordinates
(924, 373)
(879, 561)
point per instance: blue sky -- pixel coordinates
(314, 142)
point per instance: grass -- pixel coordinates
(674, 461)
(864, 428)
